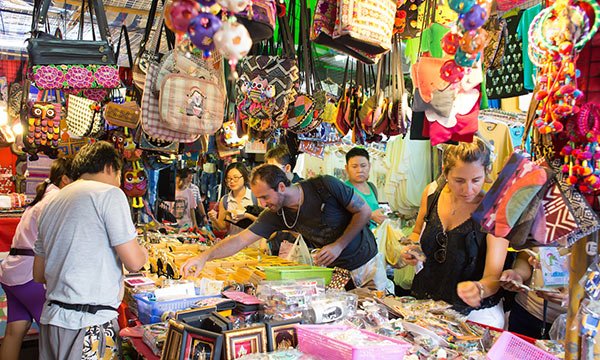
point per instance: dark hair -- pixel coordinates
(184, 172)
(93, 158)
(59, 168)
(281, 154)
(357, 151)
(272, 175)
(241, 168)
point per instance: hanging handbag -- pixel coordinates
(151, 122)
(150, 46)
(493, 53)
(191, 105)
(322, 29)
(510, 195)
(73, 64)
(123, 113)
(43, 126)
(261, 24)
(266, 84)
(83, 117)
(405, 21)
(366, 25)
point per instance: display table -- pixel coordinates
(8, 226)
(142, 349)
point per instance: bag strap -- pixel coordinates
(432, 198)
(321, 188)
(149, 24)
(124, 33)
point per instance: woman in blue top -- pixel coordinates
(358, 167)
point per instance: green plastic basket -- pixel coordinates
(298, 272)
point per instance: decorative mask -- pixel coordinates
(117, 138)
(130, 150)
(135, 182)
(179, 13)
(233, 40)
(202, 29)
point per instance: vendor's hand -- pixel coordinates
(469, 292)
(328, 254)
(193, 265)
(408, 257)
(378, 216)
(508, 276)
(560, 297)
(212, 215)
(534, 262)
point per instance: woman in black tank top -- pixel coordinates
(463, 264)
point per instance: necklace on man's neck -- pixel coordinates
(300, 201)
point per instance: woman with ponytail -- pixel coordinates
(25, 297)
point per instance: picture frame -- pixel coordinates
(244, 341)
(199, 344)
(173, 344)
(281, 334)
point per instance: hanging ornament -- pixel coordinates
(461, 6)
(202, 30)
(556, 35)
(179, 13)
(235, 6)
(234, 42)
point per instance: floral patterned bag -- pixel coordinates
(72, 64)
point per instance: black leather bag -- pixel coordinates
(46, 49)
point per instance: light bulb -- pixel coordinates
(18, 129)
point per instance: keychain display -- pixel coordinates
(556, 36)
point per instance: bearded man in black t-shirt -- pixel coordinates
(326, 212)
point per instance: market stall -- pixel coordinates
(304, 179)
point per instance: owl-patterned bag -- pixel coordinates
(135, 182)
(43, 129)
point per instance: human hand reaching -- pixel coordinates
(328, 254)
(193, 265)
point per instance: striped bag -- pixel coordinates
(151, 122)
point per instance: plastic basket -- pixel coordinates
(150, 312)
(298, 272)
(511, 347)
(311, 340)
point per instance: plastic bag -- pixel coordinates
(558, 330)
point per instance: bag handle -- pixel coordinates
(40, 17)
(149, 24)
(124, 33)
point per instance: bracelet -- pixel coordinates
(481, 289)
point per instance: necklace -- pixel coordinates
(301, 195)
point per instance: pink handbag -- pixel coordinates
(191, 105)
(151, 122)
